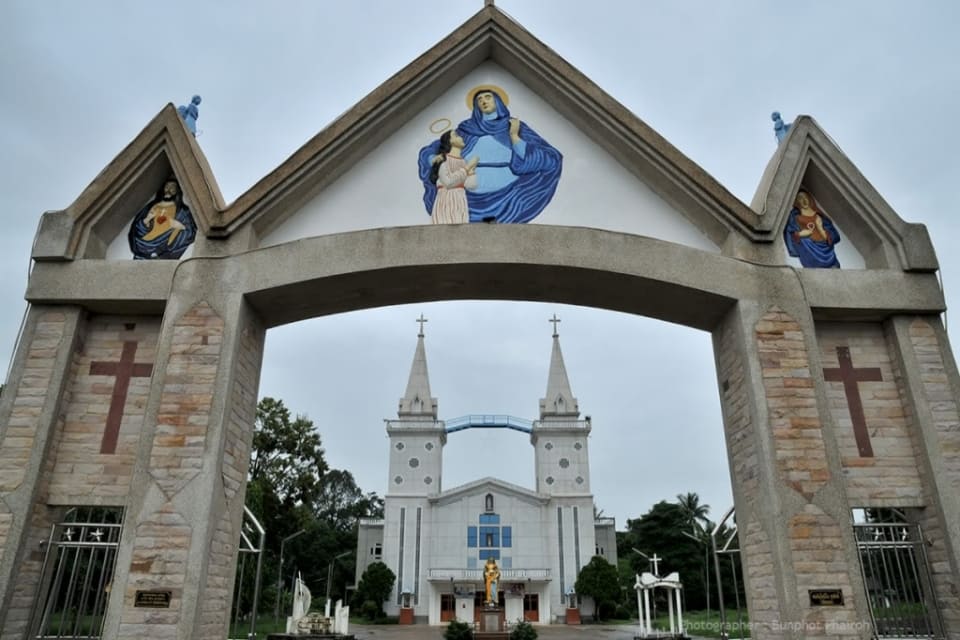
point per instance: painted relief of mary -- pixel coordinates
(810, 235)
(517, 171)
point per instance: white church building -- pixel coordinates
(436, 539)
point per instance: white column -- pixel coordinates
(646, 608)
(679, 612)
(673, 629)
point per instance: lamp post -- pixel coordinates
(706, 564)
(330, 573)
(276, 608)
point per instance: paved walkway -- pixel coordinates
(546, 632)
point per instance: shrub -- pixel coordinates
(457, 630)
(523, 630)
(370, 610)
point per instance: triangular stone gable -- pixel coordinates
(489, 485)
(808, 157)
(107, 206)
(491, 36)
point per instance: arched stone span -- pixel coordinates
(216, 310)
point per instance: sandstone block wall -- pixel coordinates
(891, 476)
(82, 475)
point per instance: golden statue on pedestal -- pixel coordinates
(491, 577)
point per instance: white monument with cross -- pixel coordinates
(646, 585)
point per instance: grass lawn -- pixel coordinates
(265, 625)
(697, 623)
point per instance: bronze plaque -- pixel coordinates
(826, 597)
(152, 599)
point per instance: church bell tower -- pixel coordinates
(416, 437)
(559, 437)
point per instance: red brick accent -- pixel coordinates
(792, 403)
(159, 561)
(819, 562)
(221, 570)
(180, 438)
(741, 436)
(29, 396)
(940, 398)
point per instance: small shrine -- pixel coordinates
(646, 586)
(302, 624)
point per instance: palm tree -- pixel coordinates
(694, 513)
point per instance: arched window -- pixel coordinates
(488, 503)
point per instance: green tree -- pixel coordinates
(599, 580)
(375, 586)
(287, 454)
(661, 531)
(291, 488)
(693, 512)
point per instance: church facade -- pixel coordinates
(436, 540)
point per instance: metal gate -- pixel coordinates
(897, 578)
(77, 574)
(253, 538)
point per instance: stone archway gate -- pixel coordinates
(134, 383)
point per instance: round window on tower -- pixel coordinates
(564, 463)
(414, 463)
(578, 446)
(428, 446)
(548, 446)
(399, 446)
(579, 480)
(428, 480)
(549, 480)
(398, 480)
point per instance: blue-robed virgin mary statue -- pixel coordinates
(516, 172)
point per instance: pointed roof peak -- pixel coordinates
(559, 400)
(417, 401)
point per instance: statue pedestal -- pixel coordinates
(491, 624)
(573, 616)
(406, 615)
(491, 619)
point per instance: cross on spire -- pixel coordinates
(421, 320)
(554, 320)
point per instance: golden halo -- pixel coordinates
(472, 94)
(440, 125)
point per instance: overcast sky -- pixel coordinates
(79, 80)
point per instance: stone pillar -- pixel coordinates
(183, 526)
(792, 513)
(29, 415)
(932, 387)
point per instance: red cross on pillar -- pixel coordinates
(123, 370)
(850, 377)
